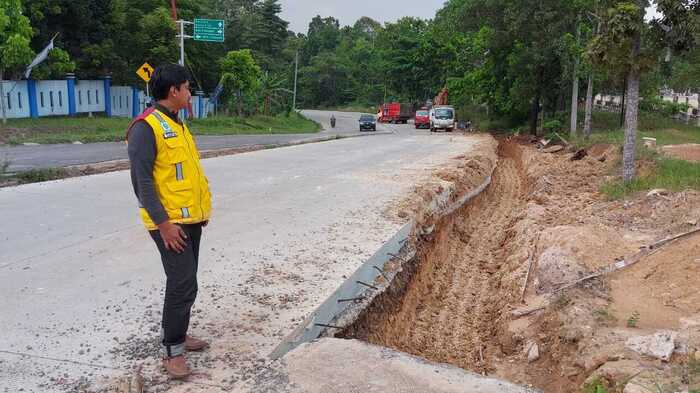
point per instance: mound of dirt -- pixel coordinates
(662, 290)
(460, 173)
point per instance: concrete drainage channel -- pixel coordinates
(373, 278)
(415, 295)
(367, 302)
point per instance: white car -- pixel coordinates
(442, 118)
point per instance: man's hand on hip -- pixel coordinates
(173, 236)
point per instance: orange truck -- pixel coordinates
(394, 112)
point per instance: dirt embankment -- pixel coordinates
(482, 291)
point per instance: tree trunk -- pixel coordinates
(574, 103)
(574, 90)
(239, 103)
(2, 99)
(628, 168)
(589, 108)
(632, 107)
(623, 103)
(534, 112)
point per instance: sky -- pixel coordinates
(300, 12)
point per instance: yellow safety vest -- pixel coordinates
(177, 173)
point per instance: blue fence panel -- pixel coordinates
(122, 101)
(16, 99)
(90, 96)
(52, 98)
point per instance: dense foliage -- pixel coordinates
(510, 59)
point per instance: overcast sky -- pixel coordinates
(300, 12)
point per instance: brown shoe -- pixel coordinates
(176, 367)
(195, 344)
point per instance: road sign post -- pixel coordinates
(145, 72)
(211, 30)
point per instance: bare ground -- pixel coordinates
(688, 151)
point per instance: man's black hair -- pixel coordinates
(165, 77)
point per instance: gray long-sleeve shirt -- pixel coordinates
(142, 155)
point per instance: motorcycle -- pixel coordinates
(332, 121)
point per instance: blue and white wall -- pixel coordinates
(89, 96)
(52, 98)
(30, 98)
(16, 99)
(123, 101)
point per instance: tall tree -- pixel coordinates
(15, 35)
(240, 74)
(627, 42)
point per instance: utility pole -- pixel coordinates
(182, 37)
(182, 42)
(296, 70)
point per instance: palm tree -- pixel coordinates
(272, 92)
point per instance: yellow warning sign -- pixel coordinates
(145, 72)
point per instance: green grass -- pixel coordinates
(595, 386)
(669, 173)
(359, 108)
(281, 124)
(604, 317)
(667, 131)
(35, 175)
(102, 129)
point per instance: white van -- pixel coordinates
(442, 117)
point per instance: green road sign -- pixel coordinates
(209, 30)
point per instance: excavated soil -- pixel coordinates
(454, 300)
(483, 290)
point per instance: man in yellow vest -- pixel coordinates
(175, 204)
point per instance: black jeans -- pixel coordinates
(180, 289)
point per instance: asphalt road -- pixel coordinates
(81, 280)
(60, 155)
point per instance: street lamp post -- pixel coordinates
(296, 70)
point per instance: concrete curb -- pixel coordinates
(123, 164)
(343, 307)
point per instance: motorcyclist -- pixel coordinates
(332, 121)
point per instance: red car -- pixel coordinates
(422, 118)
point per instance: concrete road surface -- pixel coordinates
(23, 158)
(81, 281)
(350, 366)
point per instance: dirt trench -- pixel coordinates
(450, 305)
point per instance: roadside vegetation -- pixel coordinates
(654, 170)
(662, 173)
(8, 178)
(102, 129)
(359, 108)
